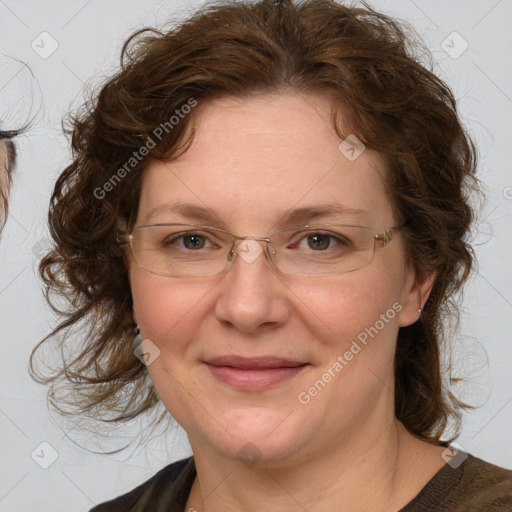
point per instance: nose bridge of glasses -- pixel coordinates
(250, 251)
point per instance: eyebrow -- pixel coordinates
(295, 216)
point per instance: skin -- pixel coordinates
(252, 158)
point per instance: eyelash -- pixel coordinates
(332, 236)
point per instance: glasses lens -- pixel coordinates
(181, 249)
(323, 250)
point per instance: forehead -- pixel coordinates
(254, 158)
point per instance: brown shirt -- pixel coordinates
(473, 486)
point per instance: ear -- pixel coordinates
(415, 294)
(134, 316)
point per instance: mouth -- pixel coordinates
(254, 374)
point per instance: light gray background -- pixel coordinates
(89, 35)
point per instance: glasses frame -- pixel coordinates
(384, 238)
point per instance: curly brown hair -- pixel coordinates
(371, 67)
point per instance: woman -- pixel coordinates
(263, 228)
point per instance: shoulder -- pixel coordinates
(171, 484)
(487, 484)
(471, 485)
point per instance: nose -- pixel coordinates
(252, 294)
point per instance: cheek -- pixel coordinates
(354, 322)
(346, 305)
(166, 307)
(170, 313)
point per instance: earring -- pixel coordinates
(419, 313)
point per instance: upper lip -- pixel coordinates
(247, 363)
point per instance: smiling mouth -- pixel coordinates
(254, 374)
(254, 363)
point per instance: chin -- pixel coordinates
(254, 436)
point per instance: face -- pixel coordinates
(251, 161)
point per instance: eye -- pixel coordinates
(191, 240)
(320, 241)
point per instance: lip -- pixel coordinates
(254, 363)
(254, 374)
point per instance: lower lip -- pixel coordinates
(254, 380)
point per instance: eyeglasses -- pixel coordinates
(192, 250)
